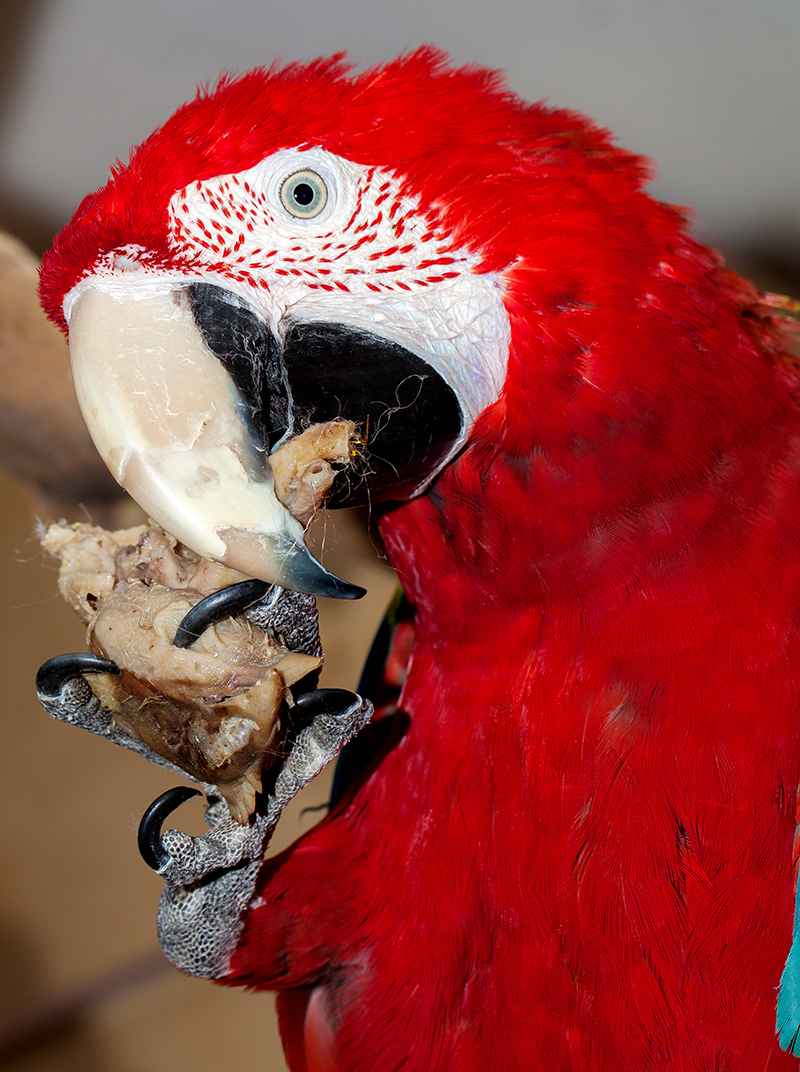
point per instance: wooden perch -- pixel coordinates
(43, 440)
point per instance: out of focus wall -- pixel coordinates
(707, 88)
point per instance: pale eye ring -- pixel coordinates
(304, 194)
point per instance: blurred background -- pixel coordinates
(708, 88)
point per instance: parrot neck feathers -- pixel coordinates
(633, 453)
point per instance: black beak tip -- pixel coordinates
(351, 591)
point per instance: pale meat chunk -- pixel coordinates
(303, 467)
(213, 708)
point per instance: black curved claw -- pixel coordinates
(53, 675)
(222, 604)
(149, 835)
(326, 701)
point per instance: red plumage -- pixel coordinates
(578, 855)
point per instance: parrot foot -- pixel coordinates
(209, 880)
(65, 694)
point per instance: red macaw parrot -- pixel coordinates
(573, 848)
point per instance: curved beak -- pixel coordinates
(169, 423)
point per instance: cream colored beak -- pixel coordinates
(168, 421)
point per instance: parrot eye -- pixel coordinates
(304, 194)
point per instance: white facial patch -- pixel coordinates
(368, 258)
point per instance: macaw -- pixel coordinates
(568, 844)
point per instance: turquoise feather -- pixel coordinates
(788, 1015)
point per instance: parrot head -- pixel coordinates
(412, 249)
(259, 268)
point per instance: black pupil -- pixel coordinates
(303, 193)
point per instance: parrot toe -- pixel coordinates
(57, 673)
(149, 834)
(226, 603)
(331, 711)
(331, 716)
